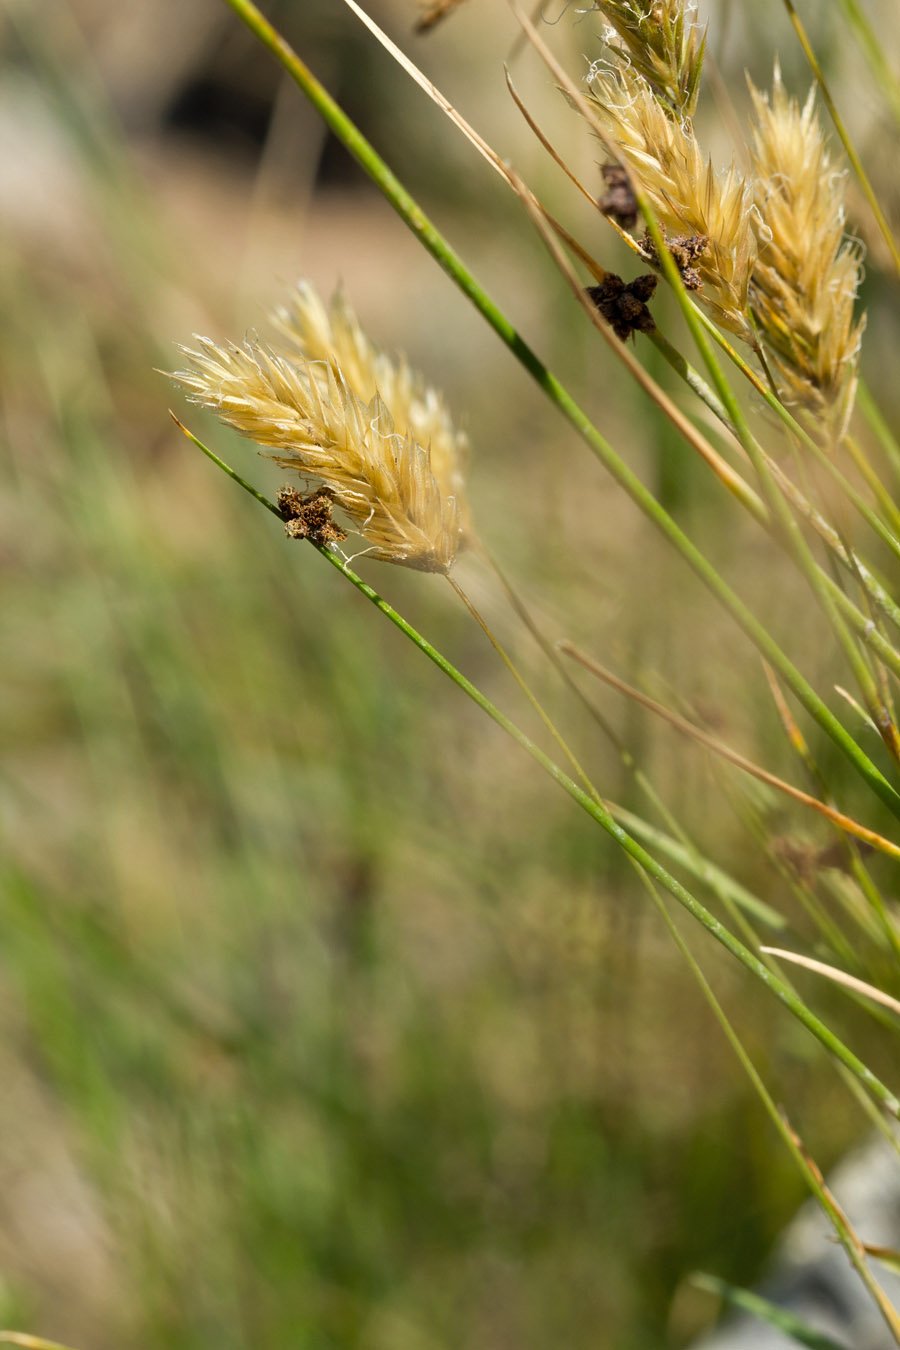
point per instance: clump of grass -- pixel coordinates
(765, 255)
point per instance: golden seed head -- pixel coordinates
(685, 192)
(334, 337)
(664, 45)
(327, 409)
(807, 273)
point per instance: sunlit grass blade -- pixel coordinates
(30, 1342)
(838, 977)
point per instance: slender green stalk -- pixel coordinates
(872, 414)
(772, 1313)
(719, 881)
(598, 811)
(858, 621)
(677, 844)
(797, 430)
(433, 241)
(526, 688)
(787, 525)
(879, 491)
(874, 51)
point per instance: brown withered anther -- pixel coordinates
(618, 202)
(624, 304)
(685, 250)
(309, 517)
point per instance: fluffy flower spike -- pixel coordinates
(687, 195)
(807, 273)
(344, 416)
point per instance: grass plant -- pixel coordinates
(348, 1033)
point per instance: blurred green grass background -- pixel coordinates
(323, 1022)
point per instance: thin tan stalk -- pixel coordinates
(686, 728)
(838, 976)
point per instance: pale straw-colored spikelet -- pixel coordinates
(334, 337)
(807, 273)
(309, 411)
(687, 195)
(661, 39)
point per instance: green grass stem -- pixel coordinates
(846, 1236)
(598, 811)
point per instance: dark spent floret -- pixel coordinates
(685, 249)
(618, 202)
(309, 516)
(624, 304)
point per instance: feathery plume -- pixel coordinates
(689, 198)
(807, 273)
(335, 426)
(663, 43)
(334, 337)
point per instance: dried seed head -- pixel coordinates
(807, 273)
(663, 43)
(624, 305)
(337, 429)
(688, 197)
(333, 337)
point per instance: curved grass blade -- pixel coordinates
(769, 1312)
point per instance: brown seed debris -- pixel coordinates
(309, 516)
(685, 249)
(624, 304)
(618, 202)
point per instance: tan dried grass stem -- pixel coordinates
(838, 976)
(694, 733)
